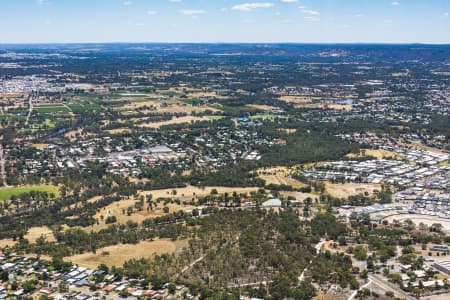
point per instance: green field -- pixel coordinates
(78, 108)
(46, 109)
(7, 192)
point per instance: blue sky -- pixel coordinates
(364, 21)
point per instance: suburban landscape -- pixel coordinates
(234, 171)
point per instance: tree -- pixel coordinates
(389, 294)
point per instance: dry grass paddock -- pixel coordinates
(36, 232)
(116, 255)
(350, 189)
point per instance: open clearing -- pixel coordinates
(350, 189)
(187, 193)
(40, 146)
(417, 219)
(7, 192)
(7, 243)
(296, 99)
(299, 196)
(119, 131)
(180, 120)
(279, 175)
(325, 106)
(116, 255)
(36, 232)
(378, 153)
(262, 107)
(118, 209)
(330, 297)
(288, 130)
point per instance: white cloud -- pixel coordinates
(289, 1)
(191, 12)
(151, 12)
(395, 3)
(252, 6)
(446, 14)
(175, 1)
(127, 3)
(310, 12)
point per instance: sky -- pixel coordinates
(296, 21)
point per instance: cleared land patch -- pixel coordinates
(262, 107)
(279, 175)
(119, 209)
(180, 120)
(350, 189)
(417, 219)
(7, 243)
(116, 255)
(378, 153)
(36, 232)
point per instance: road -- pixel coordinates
(2, 165)
(30, 110)
(386, 285)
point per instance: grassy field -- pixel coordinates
(279, 175)
(180, 120)
(46, 109)
(378, 153)
(79, 108)
(350, 189)
(7, 192)
(184, 194)
(116, 255)
(36, 232)
(262, 117)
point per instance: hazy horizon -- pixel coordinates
(225, 21)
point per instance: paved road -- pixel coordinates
(389, 286)
(30, 111)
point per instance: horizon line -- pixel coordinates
(230, 43)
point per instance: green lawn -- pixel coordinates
(7, 192)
